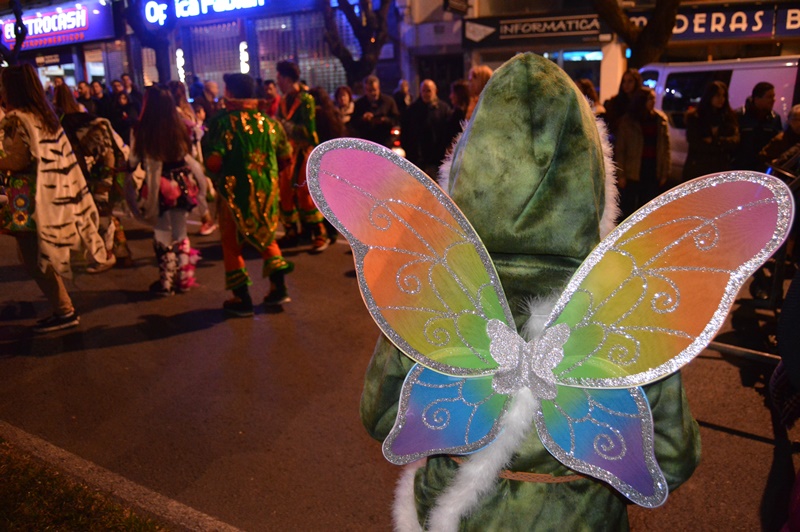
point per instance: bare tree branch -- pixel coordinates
(648, 43)
(370, 29)
(20, 33)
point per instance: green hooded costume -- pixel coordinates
(530, 175)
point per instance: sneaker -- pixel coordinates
(57, 323)
(207, 228)
(238, 307)
(320, 244)
(158, 289)
(277, 296)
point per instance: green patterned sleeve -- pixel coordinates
(311, 107)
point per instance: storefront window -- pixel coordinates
(95, 69)
(299, 38)
(48, 74)
(215, 51)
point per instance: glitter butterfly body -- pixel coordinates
(646, 301)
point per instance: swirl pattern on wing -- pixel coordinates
(607, 434)
(403, 227)
(652, 295)
(442, 414)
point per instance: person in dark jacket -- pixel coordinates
(85, 97)
(712, 133)
(402, 96)
(375, 114)
(783, 141)
(425, 133)
(618, 105)
(135, 96)
(124, 115)
(459, 100)
(758, 124)
(102, 101)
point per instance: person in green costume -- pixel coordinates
(297, 113)
(529, 173)
(244, 150)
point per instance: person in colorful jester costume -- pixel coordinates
(244, 150)
(529, 173)
(297, 114)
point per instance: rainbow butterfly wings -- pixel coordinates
(645, 302)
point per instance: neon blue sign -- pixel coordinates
(156, 12)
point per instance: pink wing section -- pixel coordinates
(425, 276)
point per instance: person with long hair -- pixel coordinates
(618, 105)
(477, 78)
(586, 87)
(245, 150)
(712, 132)
(195, 128)
(459, 99)
(173, 186)
(64, 101)
(103, 158)
(643, 152)
(50, 209)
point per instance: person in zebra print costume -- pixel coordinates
(50, 209)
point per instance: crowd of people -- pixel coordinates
(171, 150)
(719, 137)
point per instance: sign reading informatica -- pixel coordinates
(564, 28)
(62, 24)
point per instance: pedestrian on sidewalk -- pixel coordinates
(245, 149)
(50, 209)
(173, 186)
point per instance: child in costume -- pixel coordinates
(587, 384)
(174, 185)
(529, 173)
(244, 150)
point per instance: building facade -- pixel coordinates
(78, 40)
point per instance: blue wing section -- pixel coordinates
(607, 434)
(439, 414)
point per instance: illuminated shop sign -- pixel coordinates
(701, 23)
(498, 31)
(156, 12)
(64, 24)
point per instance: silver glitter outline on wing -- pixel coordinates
(360, 250)
(644, 414)
(467, 448)
(782, 197)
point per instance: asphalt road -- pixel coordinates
(255, 421)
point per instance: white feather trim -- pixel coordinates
(404, 509)
(447, 162)
(538, 310)
(611, 209)
(478, 475)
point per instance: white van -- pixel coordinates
(680, 85)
